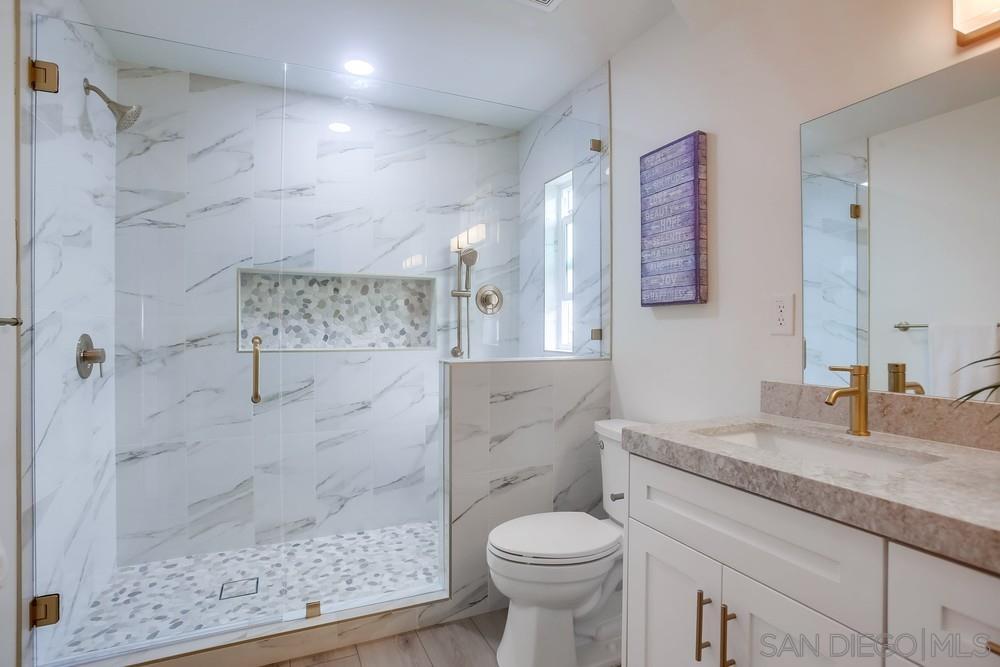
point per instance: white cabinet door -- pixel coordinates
(830, 567)
(664, 578)
(942, 614)
(771, 629)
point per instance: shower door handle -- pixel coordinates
(255, 396)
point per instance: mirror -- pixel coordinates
(901, 233)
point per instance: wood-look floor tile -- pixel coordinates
(326, 658)
(403, 650)
(346, 661)
(457, 645)
(492, 625)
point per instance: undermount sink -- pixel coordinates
(872, 460)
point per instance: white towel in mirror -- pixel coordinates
(952, 346)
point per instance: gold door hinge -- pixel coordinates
(313, 609)
(596, 145)
(43, 76)
(45, 610)
(856, 211)
(597, 334)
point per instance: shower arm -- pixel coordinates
(88, 87)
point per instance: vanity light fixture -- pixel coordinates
(339, 127)
(359, 67)
(975, 20)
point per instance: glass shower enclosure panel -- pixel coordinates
(835, 248)
(164, 496)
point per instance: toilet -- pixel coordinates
(562, 572)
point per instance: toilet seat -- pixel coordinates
(555, 538)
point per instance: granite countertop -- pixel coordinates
(938, 497)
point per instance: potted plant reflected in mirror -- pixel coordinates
(989, 390)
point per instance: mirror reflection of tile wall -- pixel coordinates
(922, 163)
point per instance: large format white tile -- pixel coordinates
(220, 495)
(521, 428)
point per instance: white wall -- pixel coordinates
(936, 213)
(747, 73)
(8, 343)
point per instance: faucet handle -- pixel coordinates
(856, 369)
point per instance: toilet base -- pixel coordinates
(537, 636)
(599, 635)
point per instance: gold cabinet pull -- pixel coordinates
(256, 342)
(699, 614)
(724, 618)
(993, 647)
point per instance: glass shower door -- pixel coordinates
(159, 487)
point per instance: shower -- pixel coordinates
(124, 115)
(466, 257)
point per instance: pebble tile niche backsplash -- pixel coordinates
(315, 311)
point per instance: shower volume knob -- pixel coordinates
(489, 299)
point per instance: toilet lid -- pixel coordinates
(557, 535)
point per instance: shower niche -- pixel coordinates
(328, 311)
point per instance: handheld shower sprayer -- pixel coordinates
(466, 257)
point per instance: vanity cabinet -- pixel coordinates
(796, 582)
(764, 626)
(948, 610)
(823, 564)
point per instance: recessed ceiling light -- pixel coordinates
(359, 67)
(339, 127)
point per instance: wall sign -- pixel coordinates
(674, 190)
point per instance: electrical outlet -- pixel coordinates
(783, 315)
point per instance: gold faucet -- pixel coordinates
(858, 393)
(898, 383)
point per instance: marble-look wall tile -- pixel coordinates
(220, 485)
(521, 430)
(582, 395)
(224, 175)
(153, 524)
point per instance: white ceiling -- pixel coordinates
(499, 50)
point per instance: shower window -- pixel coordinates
(559, 264)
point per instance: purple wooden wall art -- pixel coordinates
(674, 186)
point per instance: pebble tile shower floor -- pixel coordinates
(163, 601)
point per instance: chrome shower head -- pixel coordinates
(469, 256)
(125, 116)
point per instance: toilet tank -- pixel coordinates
(614, 464)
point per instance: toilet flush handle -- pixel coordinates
(615, 497)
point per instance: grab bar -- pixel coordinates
(255, 396)
(906, 326)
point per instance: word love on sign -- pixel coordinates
(674, 189)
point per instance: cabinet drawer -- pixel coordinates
(837, 570)
(948, 610)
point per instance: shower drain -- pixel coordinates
(239, 588)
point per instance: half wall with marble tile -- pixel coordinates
(522, 441)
